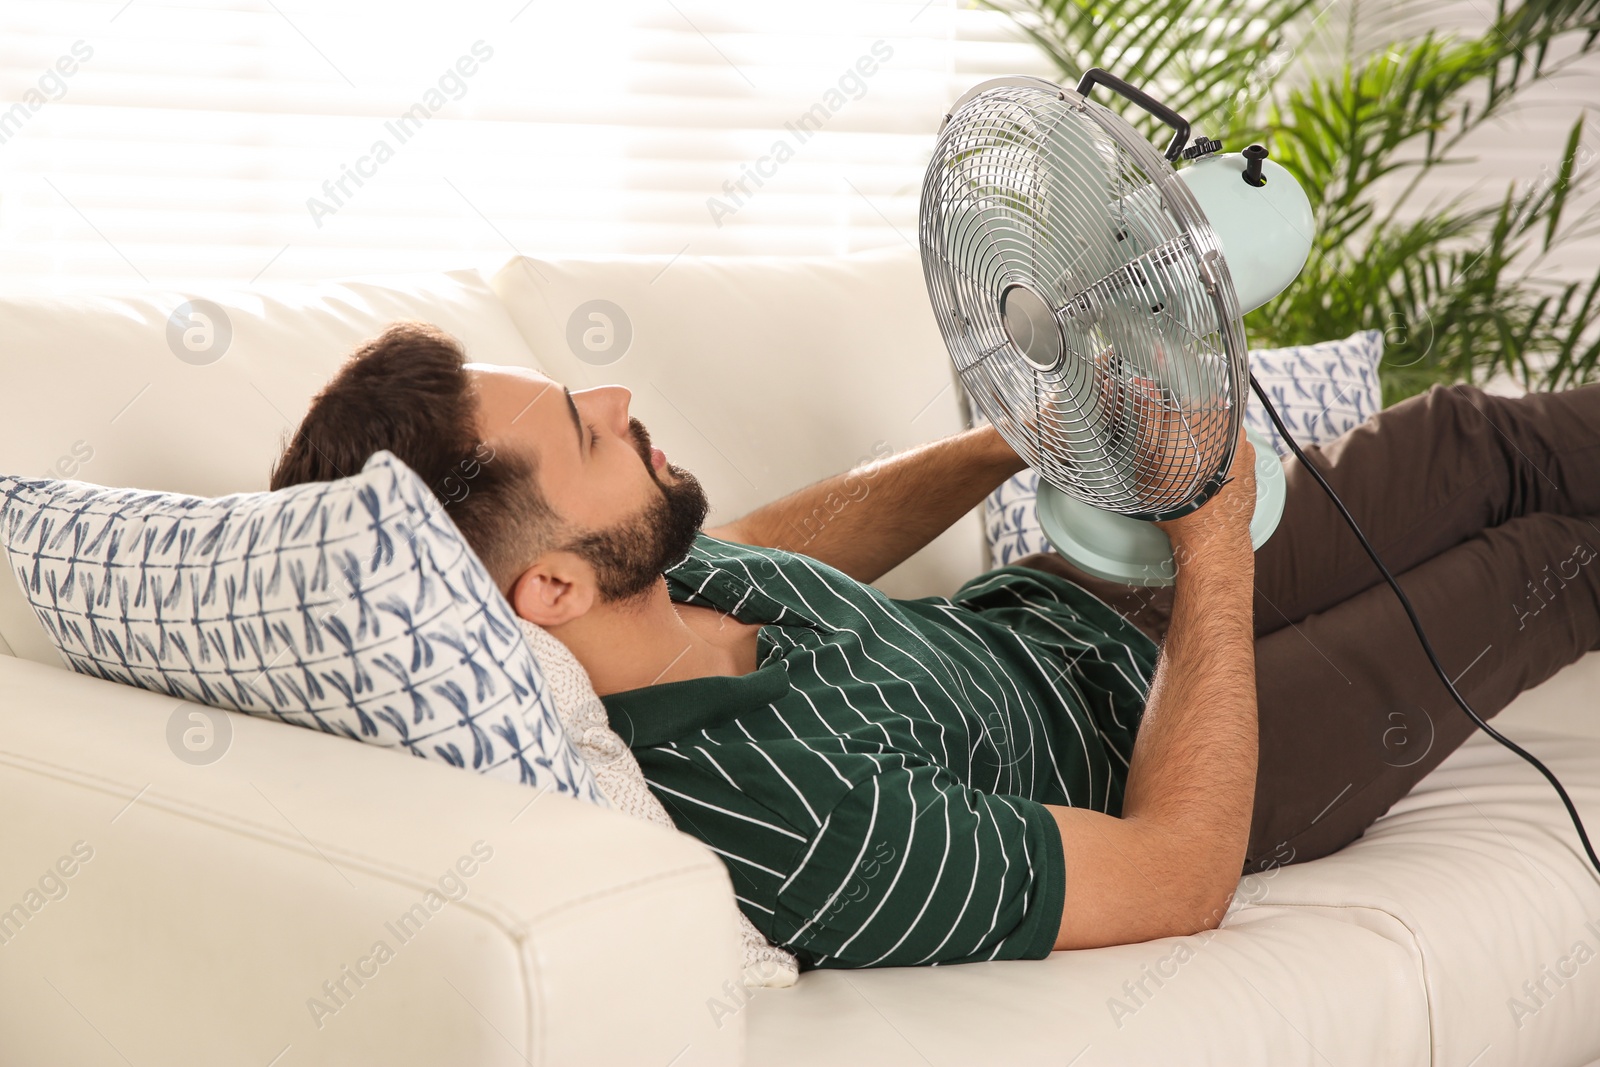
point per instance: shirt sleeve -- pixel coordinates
(906, 867)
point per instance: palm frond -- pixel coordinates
(1362, 119)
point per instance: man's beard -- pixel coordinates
(629, 558)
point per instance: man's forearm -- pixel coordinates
(870, 519)
(1168, 863)
(1168, 866)
(1193, 768)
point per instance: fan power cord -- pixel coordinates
(1427, 646)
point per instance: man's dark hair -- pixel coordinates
(408, 391)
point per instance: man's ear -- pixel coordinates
(557, 588)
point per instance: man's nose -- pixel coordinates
(611, 404)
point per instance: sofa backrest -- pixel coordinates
(759, 374)
(133, 389)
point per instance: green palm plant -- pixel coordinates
(1459, 290)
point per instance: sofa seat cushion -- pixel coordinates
(1410, 946)
(1483, 868)
(1276, 987)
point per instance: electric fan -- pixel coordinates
(1091, 299)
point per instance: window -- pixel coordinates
(187, 143)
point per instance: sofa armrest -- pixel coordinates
(307, 900)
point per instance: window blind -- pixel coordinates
(177, 143)
(183, 141)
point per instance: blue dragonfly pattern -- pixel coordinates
(353, 607)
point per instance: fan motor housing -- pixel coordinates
(1032, 327)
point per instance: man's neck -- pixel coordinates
(651, 640)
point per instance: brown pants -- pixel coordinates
(1487, 511)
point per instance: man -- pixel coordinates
(1021, 768)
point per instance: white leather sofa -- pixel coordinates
(178, 913)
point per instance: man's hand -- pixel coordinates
(1225, 518)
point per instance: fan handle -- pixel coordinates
(1097, 76)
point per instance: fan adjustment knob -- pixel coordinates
(1204, 146)
(1254, 156)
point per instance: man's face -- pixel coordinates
(623, 508)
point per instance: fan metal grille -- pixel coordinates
(1083, 298)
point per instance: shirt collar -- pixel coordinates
(657, 714)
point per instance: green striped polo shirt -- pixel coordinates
(876, 786)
